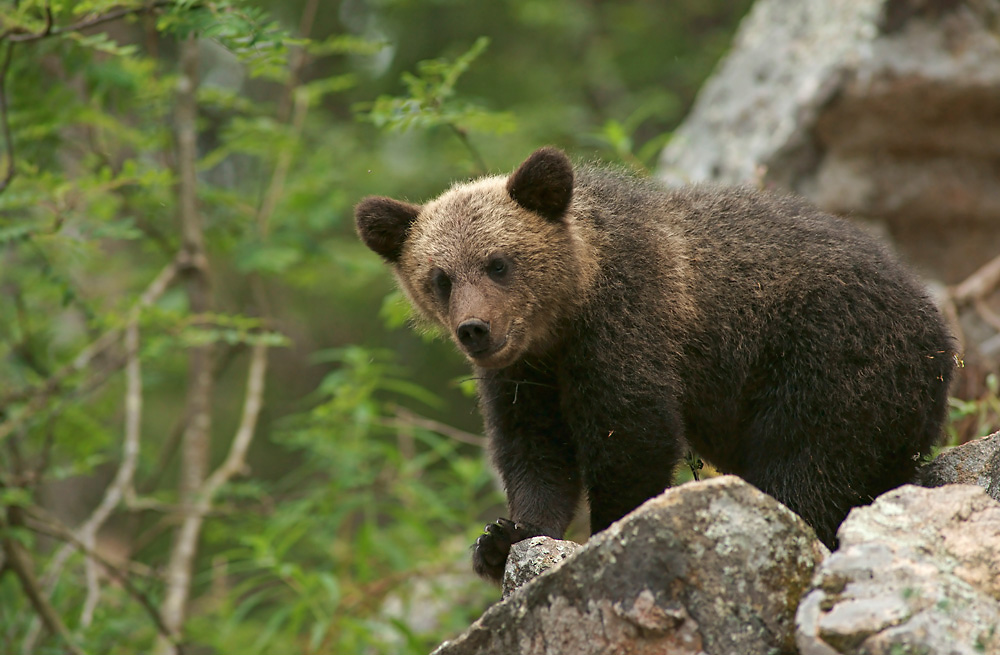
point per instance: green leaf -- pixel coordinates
(102, 42)
(344, 44)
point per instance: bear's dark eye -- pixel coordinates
(441, 284)
(498, 268)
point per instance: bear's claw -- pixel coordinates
(489, 554)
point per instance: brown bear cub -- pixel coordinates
(613, 325)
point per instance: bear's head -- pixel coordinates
(498, 262)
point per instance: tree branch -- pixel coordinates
(18, 559)
(406, 418)
(987, 313)
(276, 187)
(195, 445)
(974, 290)
(58, 531)
(49, 30)
(187, 536)
(236, 458)
(980, 284)
(298, 59)
(477, 157)
(123, 481)
(292, 109)
(170, 445)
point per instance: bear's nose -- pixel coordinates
(474, 335)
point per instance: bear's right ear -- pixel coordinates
(543, 183)
(383, 223)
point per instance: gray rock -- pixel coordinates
(976, 462)
(530, 558)
(918, 571)
(885, 109)
(712, 567)
(755, 117)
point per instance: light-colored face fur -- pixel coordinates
(475, 256)
(460, 234)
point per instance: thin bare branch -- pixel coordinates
(986, 313)
(170, 445)
(980, 284)
(18, 559)
(974, 290)
(123, 481)
(477, 157)
(186, 542)
(297, 60)
(196, 442)
(406, 418)
(277, 186)
(58, 531)
(130, 448)
(292, 109)
(236, 458)
(50, 30)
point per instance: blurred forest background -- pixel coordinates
(217, 433)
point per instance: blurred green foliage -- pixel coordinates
(975, 417)
(366, 483)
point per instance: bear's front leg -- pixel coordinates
(536, 458)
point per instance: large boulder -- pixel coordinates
(918, 571)
(884, 108)
(713, 567)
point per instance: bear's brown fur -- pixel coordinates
(613, 324)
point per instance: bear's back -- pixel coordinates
(793, 316)
(744, 258)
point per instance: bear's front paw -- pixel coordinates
(489, 555)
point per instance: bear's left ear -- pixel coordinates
(543, 183)
(383, 223)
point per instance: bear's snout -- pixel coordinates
(474, 335)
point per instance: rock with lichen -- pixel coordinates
(918, 571)
(709, 567)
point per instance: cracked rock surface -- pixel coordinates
(918, 571)
(530, 558)
(713, 567)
